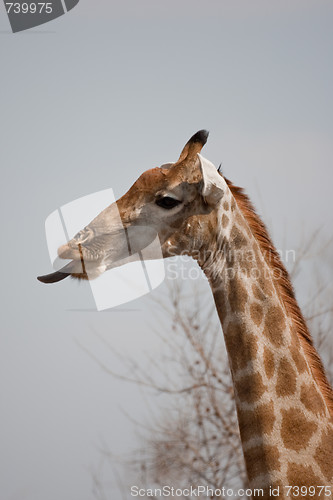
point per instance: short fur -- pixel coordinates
(285, 289)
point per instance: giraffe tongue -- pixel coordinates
(53, 277)
(58, 275)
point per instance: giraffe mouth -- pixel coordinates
(89, 261)
(75, 268)
(85, 264)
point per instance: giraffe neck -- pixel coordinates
(285, 425)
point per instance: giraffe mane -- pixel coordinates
(285, 290)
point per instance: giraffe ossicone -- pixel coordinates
(284, 402)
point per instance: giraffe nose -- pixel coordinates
(68, 252)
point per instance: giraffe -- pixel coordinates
(283, 400)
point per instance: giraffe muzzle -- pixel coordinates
(91, 253)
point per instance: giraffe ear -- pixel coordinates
(213, 184)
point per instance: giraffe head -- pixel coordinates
(166, 201)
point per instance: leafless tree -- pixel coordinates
(197, 441)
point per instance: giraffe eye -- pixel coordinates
(167, 202)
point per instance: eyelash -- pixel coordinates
(167, 202)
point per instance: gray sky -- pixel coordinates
(88, 102)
